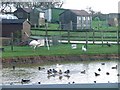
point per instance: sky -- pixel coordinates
(104, 6)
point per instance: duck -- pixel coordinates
(74, 46)
(54, 71)
(118, 74)
(109, 44)
(25, 81)
(114, 67)
(40, 68)
(49, 71)
(67, 72)
(99, 69)
(102, 63)
(60, 71)
(96, 74)
(107, 73)
(83, 72)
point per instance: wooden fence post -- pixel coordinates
(86, 39)
(60, 28)
(102, 37)
(93, 36)
(69, 32)
(117, 37)
(12, 41)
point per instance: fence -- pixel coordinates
(81, 35)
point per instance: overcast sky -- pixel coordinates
(105, 6)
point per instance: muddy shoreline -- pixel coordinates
(42, 59)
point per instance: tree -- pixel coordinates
(31, 3)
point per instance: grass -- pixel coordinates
(63, 49)
(107, 35)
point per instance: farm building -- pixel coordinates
(113, 19)
(75, 19)
(16, 26)
(35, 16)
(23, 13)
(52, 14)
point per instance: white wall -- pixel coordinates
(48, 15)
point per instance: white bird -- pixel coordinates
(84, 49)
(73, 46)
(35, 43)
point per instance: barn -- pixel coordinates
(16, 26)
(34, 15)
(75, 20)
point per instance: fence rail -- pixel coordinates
(80, 35)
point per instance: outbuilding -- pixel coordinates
(16, 26)
(75, 19)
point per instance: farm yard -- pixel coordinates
(50, 45)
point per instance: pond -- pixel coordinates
(80, 72)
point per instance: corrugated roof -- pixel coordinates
(13, 21)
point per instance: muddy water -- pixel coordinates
(32, 73)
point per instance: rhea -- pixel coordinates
(35, 43)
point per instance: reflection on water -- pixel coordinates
(81, 72)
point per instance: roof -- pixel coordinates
(39, 9)
(80, 12)
(13, 21)
(28, 10)
(77, 12)
(7, 16)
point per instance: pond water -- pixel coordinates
(34, 75)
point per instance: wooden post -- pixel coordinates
(93, 36)
(118, 36)
(102, 37)
(46, 33)
(60, 28)
(69, 32)
(12, 41)
(86, 39)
